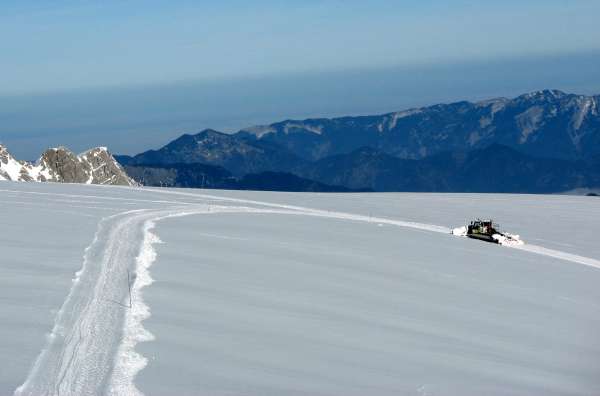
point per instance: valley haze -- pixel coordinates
(131, 119)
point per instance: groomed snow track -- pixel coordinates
(88, 328)
(86, 341)
(91, 348)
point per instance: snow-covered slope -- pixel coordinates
(95, 166)
(282, 293)
(11, 169)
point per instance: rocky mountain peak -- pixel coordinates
(10, 168)
(95, 166)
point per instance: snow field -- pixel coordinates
(82, 356)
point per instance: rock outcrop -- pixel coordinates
(95, 166)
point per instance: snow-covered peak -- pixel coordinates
(59, 164)
(10, 168)
(546, 94)
(94, 151)
(104, 169)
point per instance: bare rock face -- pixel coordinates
(104, 169)
(95, 166)
(62, 165)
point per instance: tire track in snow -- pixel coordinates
(315, 212)
(87, 334)
(95, 331)
(540, 250)
(87, 328)
(128, 362)
(349, 216)
(557, 254)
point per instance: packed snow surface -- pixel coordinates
(283, 293)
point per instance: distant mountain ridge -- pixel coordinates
(233, 152)
(546, 123)
(95, 166)
(210, 176)
(541, 142)
(545, 141)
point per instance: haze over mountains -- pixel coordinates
(545, 141)
(541, 142)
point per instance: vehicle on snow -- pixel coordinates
(487, 231)
(483, 230)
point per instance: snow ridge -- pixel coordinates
(129, 362)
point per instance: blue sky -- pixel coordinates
(63, 45)
(359, 57)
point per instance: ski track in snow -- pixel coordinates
(557, 254)
(91, 349)
(128, 362)
(590, 262)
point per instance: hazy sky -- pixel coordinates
(152, 56)
(56, 45)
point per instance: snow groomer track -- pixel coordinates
(90, 349)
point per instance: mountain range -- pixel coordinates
(95, 166)
(547, 123)
(545, 141)
(541, 142)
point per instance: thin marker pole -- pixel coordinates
(129, 286)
